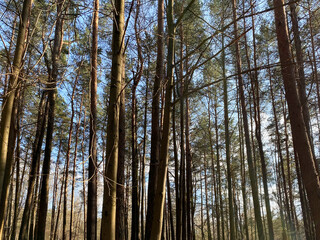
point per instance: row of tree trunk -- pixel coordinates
(159, 213)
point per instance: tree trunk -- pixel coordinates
(135, 161)
(188, 172)
(8, 105)
(252, 172)
(207, 204)
(158, 206)
(35, 162)
(143, 160)
(59, 208)
(176, 172)
(227, 146)
(287, 179)
(52, 93)
(18, 185)
(120, 222)
(243, 174)
(218, 192)
(55, 189)
(155, 127)
(67, 162)
(4, 200)
(280, 156)
(92, 174)
(84, 174)
(309, 169)
(74, 167)
(256, 102)
(108, 222)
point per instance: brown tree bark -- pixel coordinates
(257, 119)
(92, 174)
(143, 159)
(216, 189)
(67, 163)
(84, 174)
(227, 146)
(56, 233)
(184, 233)
(217, 175)
(71, 223)
(135, 161)
(7, 193)
(176, 171)
(35, 161)
(108, 222)
(280, 174)
(55, 192)
(52, 93)
(309, 169)
(301, 80)
(252, 172)
(243, 174)
(17, 160)
(8, 102)
(287, 177)
(158, 205)
(189, 198)
(155, 125)
(207, 203)
(120, 213)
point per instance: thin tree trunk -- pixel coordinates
(52, 93)
(288, 192)
(215, 206)
(176, 171)
(34, 206)
(18, 186)
(182, 145)
(158, 206)
(188, 172)
(207, 204)
(227, 146)
(84, 175)
(308, 225)
(67, 162)
(155, 127)
(170, 215)
(143, 160)
(278, 143)
(257, 118)
(92, 174)
(201, 209)
(243, 174)
(55, 189)
(74, 168)
(135, 161)
(59, 208)
(120, 221)
(35, 162)
(135, 167)
(314, 61)
(284, 230)
(217, 175)
(252, 172)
